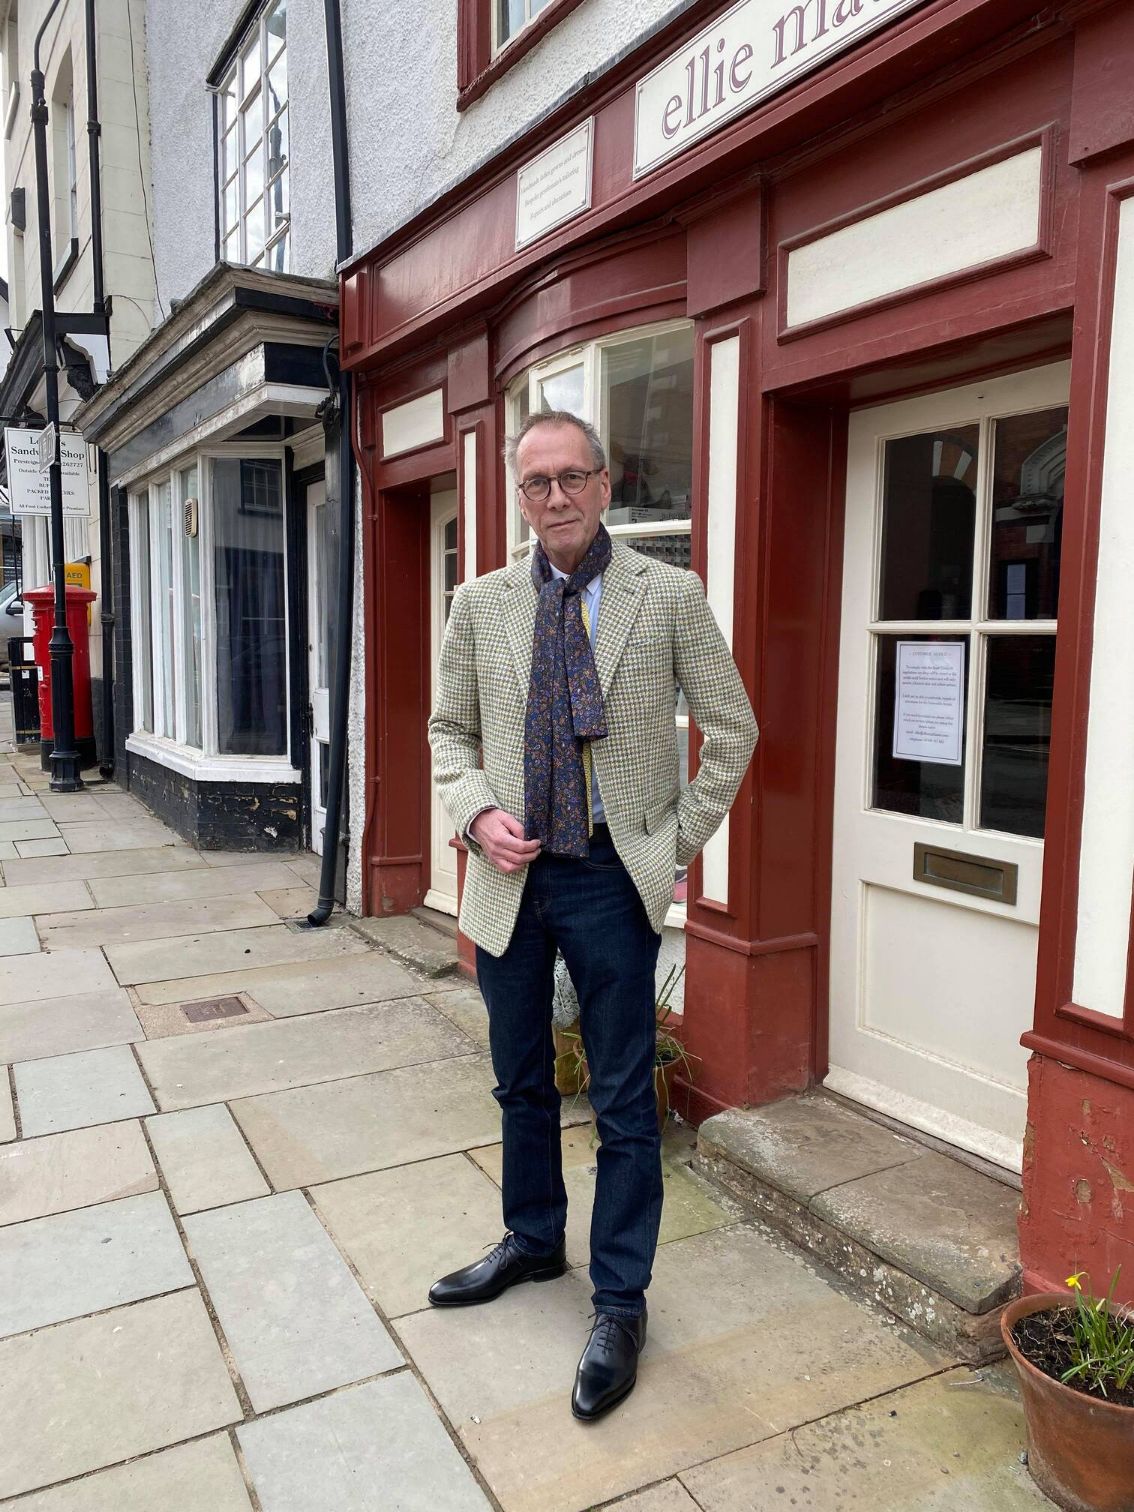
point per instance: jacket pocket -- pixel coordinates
(657, 817)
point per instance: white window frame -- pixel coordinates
(204, 763)
(531, 11)
(244, 99)
(589, 355)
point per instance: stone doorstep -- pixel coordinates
(422, 946)
(826, 1178)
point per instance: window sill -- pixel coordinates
(521, 44)
(202, 768)
(70, 258)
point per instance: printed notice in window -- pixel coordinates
(929, 702)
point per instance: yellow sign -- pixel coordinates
(78, 575)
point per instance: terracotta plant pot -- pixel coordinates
(1080, 1448)
(570, 1070)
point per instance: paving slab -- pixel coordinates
(163, 1019)
(101, 1390)
(58, 1172)
(464, 1007)
(108, 835)
(7, 1114)
(297, 1052)
(72, 808)
(938, 1221)
(204, 1159)
(9, 789)
(307, 868)
(39, 827)
(18, 937)
(68, 868)
(69, 1264)
(803, 1145)
(314, 1134)
(8, 851)
(62, 973)
(295, 1318)
(199, 1477)
(291, 902)
(244, 858)
(58, 1026)
(75, 1091)
(236, 950)
(951, 1444)
(155, 921)
(189, 882)
(746, 1341)
(22, 808)
(337, 981)
(28, 850)
(61, 897)
(121, 806)
(670, 1496)
(371, 1446)
(455, 1217)
(425, 949)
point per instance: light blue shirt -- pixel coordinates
(593, 595)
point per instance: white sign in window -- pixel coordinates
(754, 50)
(555, 186)
(929, 702)
(30, 489)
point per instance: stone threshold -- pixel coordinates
(922, 1234)
(422, 946)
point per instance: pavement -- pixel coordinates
(234, 1152)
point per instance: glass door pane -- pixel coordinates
(928, 525)
(1017, 733)
(919, 726)
(1029, 461)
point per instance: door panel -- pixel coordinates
(443, 567)
(950, 590)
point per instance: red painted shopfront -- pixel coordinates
(891, 297)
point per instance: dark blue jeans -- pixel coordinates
(591, 910)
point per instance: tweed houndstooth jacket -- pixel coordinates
(655, 632)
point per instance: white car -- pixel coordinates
(11, 620)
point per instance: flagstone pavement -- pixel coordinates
(217, 1233)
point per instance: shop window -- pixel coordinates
(209, 604)
(636, 388)
(968, 595)
(253, 210)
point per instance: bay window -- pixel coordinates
(210, 614)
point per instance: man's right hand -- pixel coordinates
(501, 838)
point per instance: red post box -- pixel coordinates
(42, 601)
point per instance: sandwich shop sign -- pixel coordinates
(754, 50)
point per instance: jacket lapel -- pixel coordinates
(520, 601)
(623, 586)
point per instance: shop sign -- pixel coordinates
(754, 50)
(556, 186)
(30, 489)
(929, 702)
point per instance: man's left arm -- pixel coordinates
(719, 704)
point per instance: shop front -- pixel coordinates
(850, 307)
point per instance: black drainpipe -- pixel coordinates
(344, 619)
(106, 587)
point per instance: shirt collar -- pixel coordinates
(555, 572)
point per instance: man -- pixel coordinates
(562, 672)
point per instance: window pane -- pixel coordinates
(647, 388)
(228, 154)
(253, 120)
(254, 231)
(250, 64)
(228, 101)
(276, 26)
(277, 256)
(563, 391)
(674, 549)
(928, 715)
(1017, 733)
(231, 207)
(523, 407)
(511, 18)
(254, 175)
(277, 147)
(232, 246)
(248, 570)
(142, 632)
(928, 517)
(277, 85)
(191, 604)
(165, 639)
(1030, 458)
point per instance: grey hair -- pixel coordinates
(556, 417)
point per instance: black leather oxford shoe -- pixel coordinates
(608, 1368)
(503, 1267)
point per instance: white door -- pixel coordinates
(442, 892)
(321, 576)
(950, 585)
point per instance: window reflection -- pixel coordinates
(1017, 733)
(929, 789)
(1030, 458)
(647, 402)
(928, 521)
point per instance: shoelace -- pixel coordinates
(606, 1330)
(501, 1248)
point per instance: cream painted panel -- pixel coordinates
(1106, 856)
(415, 423)
(724, 418)
(975, 219)
(468, 506)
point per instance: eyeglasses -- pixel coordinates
(572, 482)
